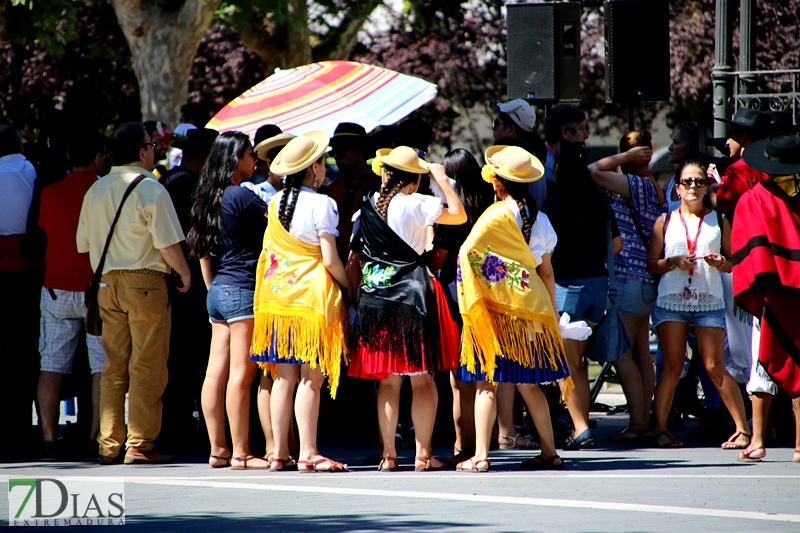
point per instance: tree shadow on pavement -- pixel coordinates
(294, 523)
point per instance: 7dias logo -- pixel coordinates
(66, 502)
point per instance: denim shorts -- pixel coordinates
(227, 304)
(702, 319)
(586, 300)
(635, 297)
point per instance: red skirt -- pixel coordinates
(376, 364)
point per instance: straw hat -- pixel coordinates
(300, 153)
(512, 163)
(263, 148)
(402, 158)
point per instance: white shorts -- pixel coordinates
(62, 322)
(759, 380)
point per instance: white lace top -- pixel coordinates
(705, 278)
(314, 214)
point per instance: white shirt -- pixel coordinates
(17, 177)
(543, 236)
(409, 215)
(264, 190)
(314, 214)
(437, 191)
(705, 277)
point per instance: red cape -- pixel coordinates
(765, 242)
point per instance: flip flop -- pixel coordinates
(731, 443)
(746, 456)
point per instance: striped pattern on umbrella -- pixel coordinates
(321, 95)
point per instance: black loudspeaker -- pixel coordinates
(637, 50)
(544, 47)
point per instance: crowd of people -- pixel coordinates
(223, 265)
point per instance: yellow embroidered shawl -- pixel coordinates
(506, 307)
(298, 305)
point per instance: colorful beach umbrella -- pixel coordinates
(321, 95)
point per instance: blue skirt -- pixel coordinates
(273, 357)
(508, 371)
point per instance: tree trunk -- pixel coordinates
(163, 44)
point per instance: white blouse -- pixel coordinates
(409, 215)
(705, 278)
(543, 236)
(314, 214)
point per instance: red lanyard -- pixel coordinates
(692, 246)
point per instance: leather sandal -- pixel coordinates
(226, 461)
(529, 444)
(428, 465)
(323, 464)
(277, 464)
(671, 443)
(796, 456)
(731, 443)
(632, 433)
(554, 462)
(245, 466)
(748, 456)
(382, 466)
(473, 465)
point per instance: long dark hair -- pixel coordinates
(474, 193)
(290, 193)
(221, 165)
(519, 192)
(396, 180)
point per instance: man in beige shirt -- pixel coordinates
(133, 296)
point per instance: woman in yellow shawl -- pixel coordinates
(300, 310)
(506, 296)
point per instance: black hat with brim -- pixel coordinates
(749, 118)
(777, 155)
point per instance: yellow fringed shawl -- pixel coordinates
(298, 305)
(506, 307)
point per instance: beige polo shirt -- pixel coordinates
(147, 223)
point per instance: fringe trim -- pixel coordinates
(530, 339)
(383, 325)
(302, 333)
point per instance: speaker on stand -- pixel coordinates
(544, 45)
(636, 52)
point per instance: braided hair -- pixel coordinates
(396, 180)
(290, 194)
(519, 192)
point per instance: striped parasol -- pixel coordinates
(321, 95)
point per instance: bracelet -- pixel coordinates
(723, 263)
(669, 266)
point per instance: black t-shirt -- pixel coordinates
(242, 224)
(582, 247)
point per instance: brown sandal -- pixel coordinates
(277, 464)
(472, 465)
(323, 464)
(244, 465)
(671, 443)
(428, 465)
(540, 463)
(382, 465)
(731, 443)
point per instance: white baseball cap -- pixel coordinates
(520, 112)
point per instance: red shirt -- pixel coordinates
(67, 270)
(738, 179)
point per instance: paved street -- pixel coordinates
(622, 489)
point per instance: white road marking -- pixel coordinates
(480, 498)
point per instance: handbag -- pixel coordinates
(610, 338)
(94, 324)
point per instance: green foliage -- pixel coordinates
(48, 23)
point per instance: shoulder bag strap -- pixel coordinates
(612, 286)
(99, 272)
(636, 224)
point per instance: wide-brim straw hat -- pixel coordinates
(514, 163)
(402, 158)
(299, 153)
(777, 155)
(263, 148)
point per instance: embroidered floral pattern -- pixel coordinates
(275, 272)
(492, 269)
(375, 276)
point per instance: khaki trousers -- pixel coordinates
(136, 317)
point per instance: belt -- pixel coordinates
(148, 271)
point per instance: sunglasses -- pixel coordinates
(698, 182)
(150, 144)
